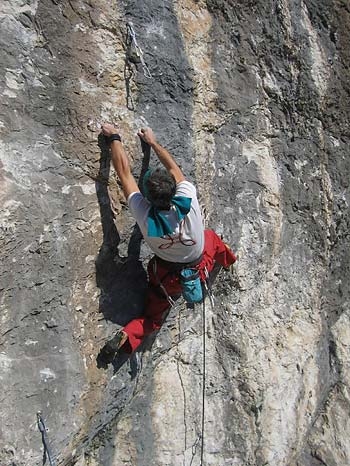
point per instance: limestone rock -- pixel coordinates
(252, 98)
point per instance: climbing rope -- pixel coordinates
(204, 330)
(43, 430)
(138, 53)
(203, 383)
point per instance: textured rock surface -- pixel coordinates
(253, 100)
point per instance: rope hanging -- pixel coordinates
(204, 330)
(203, 383)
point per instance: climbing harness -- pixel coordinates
(43, 430)
(188, 276)
(135, 53)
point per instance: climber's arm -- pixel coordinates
(163, 155)
(120, 162)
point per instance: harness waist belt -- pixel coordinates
(178, 265)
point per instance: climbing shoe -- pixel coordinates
(114, 344)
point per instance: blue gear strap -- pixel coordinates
(158, 224)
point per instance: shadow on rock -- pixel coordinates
(122, 280)
(117, 360)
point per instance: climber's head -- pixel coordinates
(159, 188)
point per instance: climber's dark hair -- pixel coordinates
(161, 188)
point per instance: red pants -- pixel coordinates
(156, 302)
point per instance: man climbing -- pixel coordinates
(169, 218)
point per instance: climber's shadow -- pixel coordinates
(122, 280)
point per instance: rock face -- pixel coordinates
(252, 98)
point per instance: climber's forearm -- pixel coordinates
(120, 159)
(168, 161)
(122, 167)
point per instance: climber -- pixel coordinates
(169, 218)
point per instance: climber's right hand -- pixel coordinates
(147, 135)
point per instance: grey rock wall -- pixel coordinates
(252, 98)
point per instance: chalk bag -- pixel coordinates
(191, 286)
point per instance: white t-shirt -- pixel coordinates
(186, 244)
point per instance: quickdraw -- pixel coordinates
(43, 430)
(135, 53)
